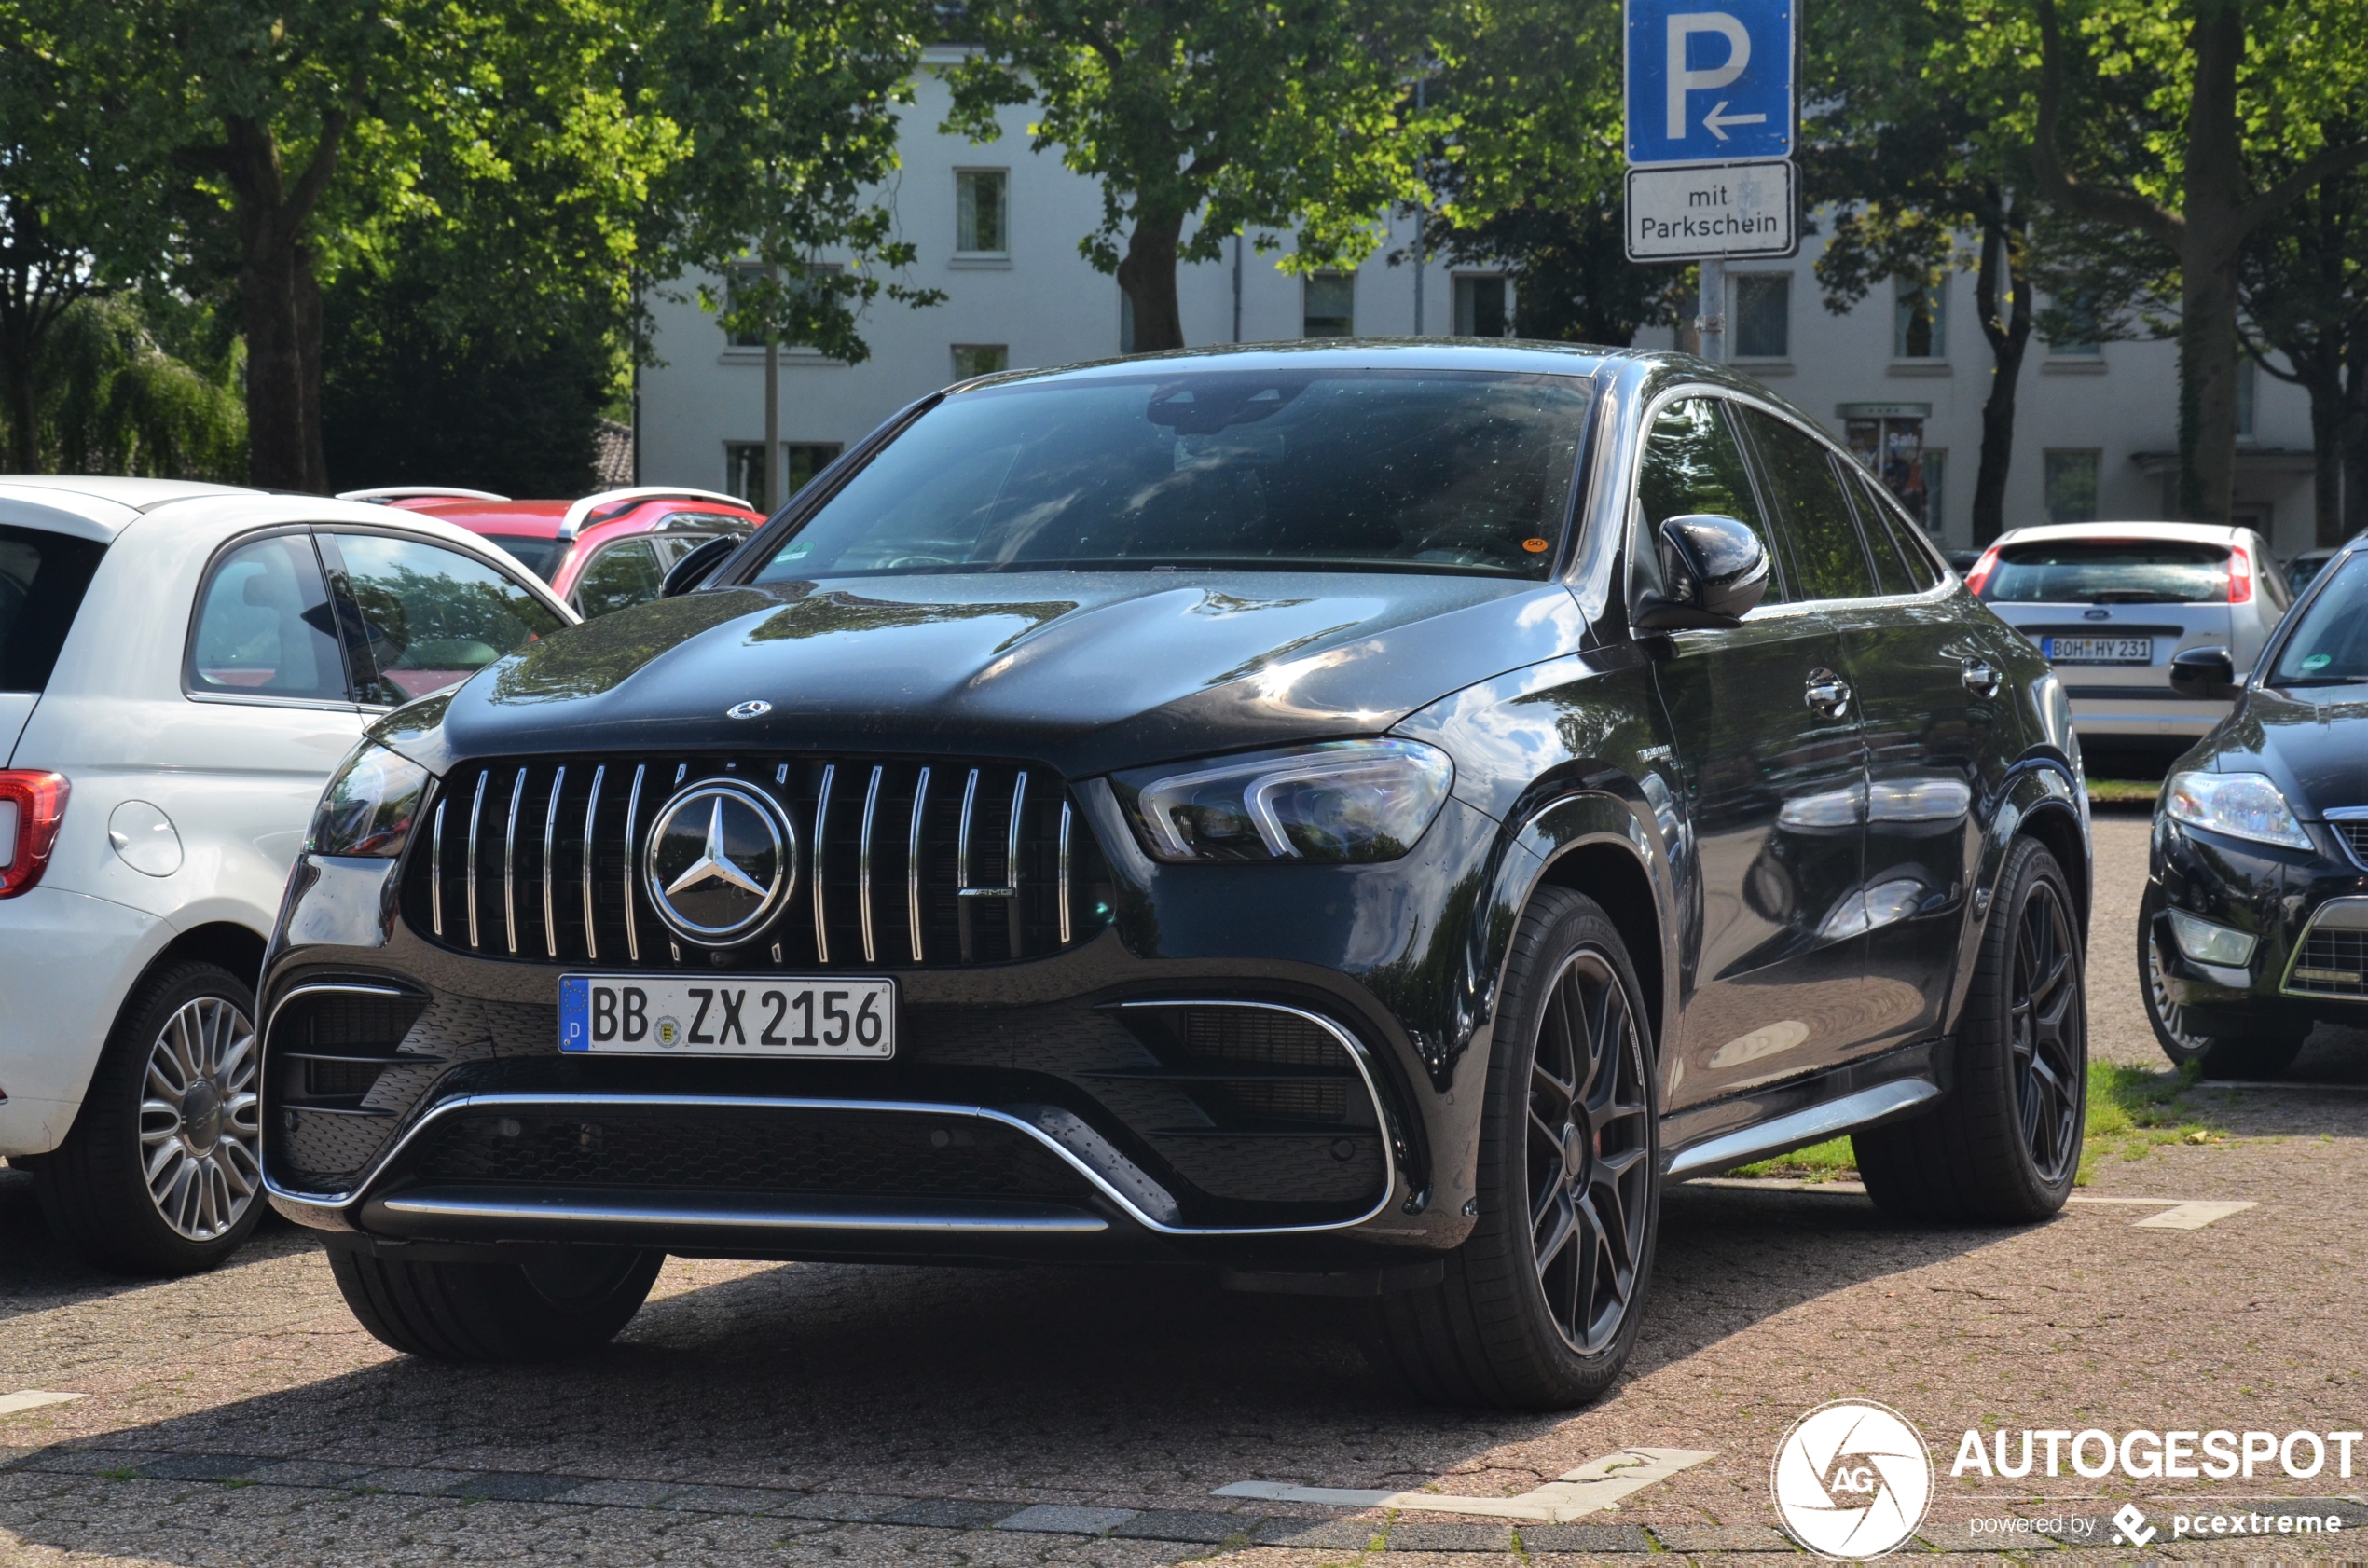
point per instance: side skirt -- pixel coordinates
(1702, 1140)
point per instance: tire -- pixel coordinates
(1501, 1330)
(568, 1302)
(174, 1090)
(2003, 1147)
(2265, 1049)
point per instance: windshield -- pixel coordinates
(2109, 571)
(2330, 644)
(1356, 470)
(539, 556)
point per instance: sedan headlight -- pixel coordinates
(1346, 800)
(2240, 804)
(369, 805)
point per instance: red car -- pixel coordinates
(600, 554)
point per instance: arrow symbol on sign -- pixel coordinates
(1717, 121)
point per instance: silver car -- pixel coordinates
(2109, 605)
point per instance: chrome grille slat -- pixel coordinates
(912, 863)
(863, 863)
(550, 838)
(591, 837)
(924, 883)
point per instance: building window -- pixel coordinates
(1919, 317)
(1763, 324)
(2248, 392)
(1328, 306)
(980, 359)
(2072, 484)
(979, 211)
(2081, 337)
(1479, 309)
(744, 275)
(744, 467)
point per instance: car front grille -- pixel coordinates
(2354, 833)
(900, 863)
(2331, 963)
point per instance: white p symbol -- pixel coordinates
(1683, 25)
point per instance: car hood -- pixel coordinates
(1082, 671)
(2312, 741)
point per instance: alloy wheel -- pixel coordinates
(200, 1123)
(2045, 1024)
(1589, 1152)
(2173, 1016)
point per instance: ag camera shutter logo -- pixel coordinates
(1851, 1480)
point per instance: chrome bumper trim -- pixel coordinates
(461, 1208)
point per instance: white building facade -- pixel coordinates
(1901, 377)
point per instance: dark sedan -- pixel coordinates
(2254, 923)
(1358, 818)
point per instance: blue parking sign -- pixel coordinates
(1709, 85)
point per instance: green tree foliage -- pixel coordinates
(110, 399)
(2304, 280)
(2189, 125)
(1531, 168)
(1913, 143)
(1246, 115)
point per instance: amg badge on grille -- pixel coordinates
(720, 861)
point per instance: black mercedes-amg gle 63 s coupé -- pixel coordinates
(1358, 818)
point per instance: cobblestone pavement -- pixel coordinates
(813, 1414)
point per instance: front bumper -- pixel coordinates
(1039, 1108)
(2307, 911)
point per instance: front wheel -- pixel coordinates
(569, 1301)
(159, 1173)
(1540, 1305)
(2266, 1048)
(2004, 1145)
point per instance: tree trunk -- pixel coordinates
(2002, 250)
(280, 303)
(2326, 460)
(2355, 432)
(2208, 346)
(19, 353)
(1147, 274)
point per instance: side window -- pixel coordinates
(419, 617)
(264, 628)
(1822, 548)
(626, 574)
(1691, 465)
(1884, 522)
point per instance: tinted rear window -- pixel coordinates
(42, 579)
(2109, 571)
(538, 556)
(1279, 470)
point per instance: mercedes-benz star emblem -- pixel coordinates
(719, 862)
(755, 708)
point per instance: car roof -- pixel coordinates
(2182, 533)
(102, 505)
(1334, 353)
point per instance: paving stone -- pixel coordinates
(1187, 1524)
(1580, 1537)
(14, 1456)
(618, 1494)
(836, 1508)
(511, 1486)
(1348, 1535)
(406, 1482)
(721, 1500)
(1404, 1536)
(1058, 1518)
(202, 1466)
(306, 1472)
(949, 1513)
(1687, 1538)
(89, 1462)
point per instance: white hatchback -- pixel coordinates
(2109, 605)
(182, 666)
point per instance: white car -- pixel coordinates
(182, 666)
(2111, 603)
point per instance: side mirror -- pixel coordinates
(698, 566)
(1713, 570)
(2204, 673)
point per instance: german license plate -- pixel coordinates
(838, 1016)
(2097, 650)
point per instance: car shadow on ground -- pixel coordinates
(1037, 1384)
(37, 1274)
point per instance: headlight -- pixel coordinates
(2240, 804)
(369, 805)
(1347, 800)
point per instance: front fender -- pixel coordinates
(2041, 795)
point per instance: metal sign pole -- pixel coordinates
(1710, 319)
